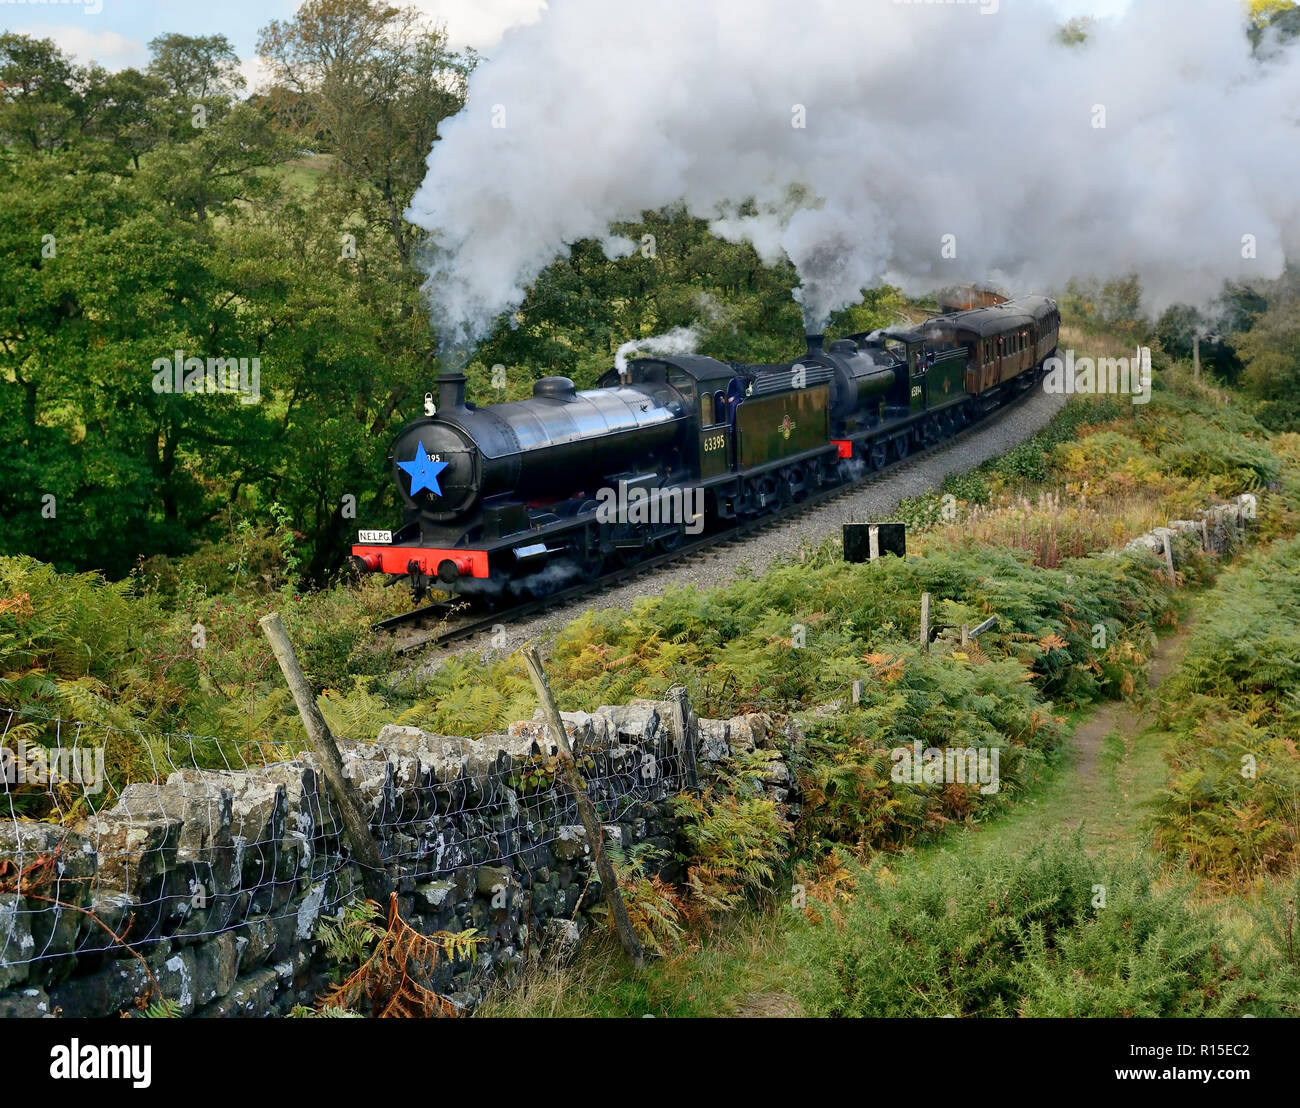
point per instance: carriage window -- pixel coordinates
(719, 407)
(706, 409)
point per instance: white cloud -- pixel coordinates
(255, 72)
(480, 23)
(108, 48)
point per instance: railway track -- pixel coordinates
(468, 625)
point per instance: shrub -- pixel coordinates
(1230, 806)
(991, 935)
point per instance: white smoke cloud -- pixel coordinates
(680, 340)
(921, 121)
(617, 246)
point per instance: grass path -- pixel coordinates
(1114, 767)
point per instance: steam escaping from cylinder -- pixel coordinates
(680, 340)
(922, 144)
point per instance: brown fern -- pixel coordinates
(388, 984)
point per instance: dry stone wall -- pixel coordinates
(218, 880)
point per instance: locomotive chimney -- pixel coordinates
(451, 391)
(815, 343)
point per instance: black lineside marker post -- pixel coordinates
(357, 830)
(586, 809)
(865, 542)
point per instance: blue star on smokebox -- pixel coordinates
(424, 471)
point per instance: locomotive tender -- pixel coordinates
(515, 496)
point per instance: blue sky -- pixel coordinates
(117, 35)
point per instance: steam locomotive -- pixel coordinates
(524, 496)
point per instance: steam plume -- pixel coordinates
(921, 121)
(680, 340)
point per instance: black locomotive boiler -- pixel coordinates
(527, 495)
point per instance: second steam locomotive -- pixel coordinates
(524, 496)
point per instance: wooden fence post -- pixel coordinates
(1169, 558)
(857, 692)
(586, 809)
(356, 829)
(686, 726)
(925, 621)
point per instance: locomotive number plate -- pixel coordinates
(375, 537)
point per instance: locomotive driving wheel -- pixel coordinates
(672, 540)
(589, 558)
(628, 556)
(878, 455)
(796, 480)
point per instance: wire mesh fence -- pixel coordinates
(150, 838)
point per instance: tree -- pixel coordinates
(38, 98)
(196, 68)
(122, 109)
(201, 78)
(1282, 16)
(1270, 353)
(216, 165)
(1074, 32)
(377, 81)
(130, 470)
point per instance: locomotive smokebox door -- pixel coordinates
(865, 542)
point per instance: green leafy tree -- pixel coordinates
(1270, 353)
(196, 67)
(376, 81)
(122, 110)
(38, 100)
